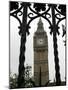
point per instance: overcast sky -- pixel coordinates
(29, 54)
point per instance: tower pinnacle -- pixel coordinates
(40, 21)
(40, 26)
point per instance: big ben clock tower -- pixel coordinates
(41, 72)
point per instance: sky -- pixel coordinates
(29, 54)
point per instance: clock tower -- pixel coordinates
(41, 72)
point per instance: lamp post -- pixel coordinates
(24, 28)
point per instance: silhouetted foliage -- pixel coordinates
(28, 79)
(13, 81)
(14, 5)
(63, 9)
(39, 7)
(29, 83)
(28, 71)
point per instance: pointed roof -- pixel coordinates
(40, 21)
(40, 26)
(40, 29)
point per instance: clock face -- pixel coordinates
(40, 41)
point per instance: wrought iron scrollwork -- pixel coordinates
(62, 12)
(43, 15)
(24, 28)
(15, 13)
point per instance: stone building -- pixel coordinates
(41, 72)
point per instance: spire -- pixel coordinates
(40, 26)
(40, 22)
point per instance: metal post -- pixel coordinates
(22, 48)
(56, 59)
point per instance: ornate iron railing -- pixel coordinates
(57, 12)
